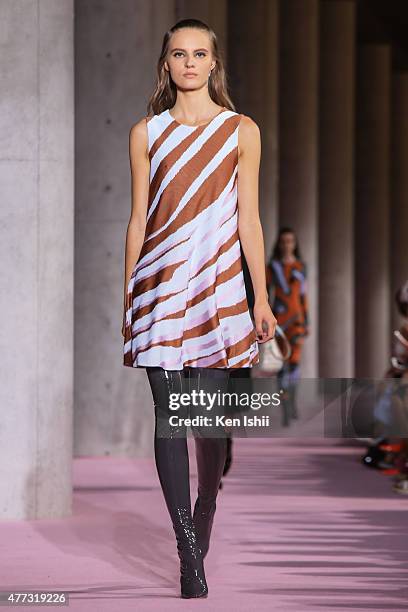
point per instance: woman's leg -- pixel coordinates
(211, 453)
(171, 456)
(170, 444)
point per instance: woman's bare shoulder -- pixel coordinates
(249, 135)
(248, 127)
(138, 129)
(138, 135)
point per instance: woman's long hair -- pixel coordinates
(165, 92)
(276, 253)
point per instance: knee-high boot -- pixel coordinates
(211, 452)
(211, 455)
(171, 456)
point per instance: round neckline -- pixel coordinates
(200, 124)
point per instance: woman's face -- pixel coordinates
(287, 243)
(189, 52)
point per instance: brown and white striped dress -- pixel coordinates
(186, 298)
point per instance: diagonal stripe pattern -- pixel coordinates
(186, 302)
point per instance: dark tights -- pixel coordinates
(170, 442)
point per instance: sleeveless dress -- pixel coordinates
(186, 303)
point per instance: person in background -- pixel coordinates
(286, 274)
(389, 452)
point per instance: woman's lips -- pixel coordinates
(190, 76)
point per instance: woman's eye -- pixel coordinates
(180, 53)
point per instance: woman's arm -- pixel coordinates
(249, 223)
(140, 170)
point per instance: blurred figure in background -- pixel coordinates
(286, 275)
(389, 453)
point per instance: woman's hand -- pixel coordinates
(265, 322)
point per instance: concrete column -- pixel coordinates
(336, 189)
(372, 271)
(399, 186)
(117, 48)
(37, 207)
(298, 143)
(253, 69)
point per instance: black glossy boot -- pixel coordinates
(228, 459)
(192, 576)
(171, 455)
(211, 455)
(203, 520)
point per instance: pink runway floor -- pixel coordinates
(300, 525)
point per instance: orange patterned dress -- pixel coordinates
(290, 304)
